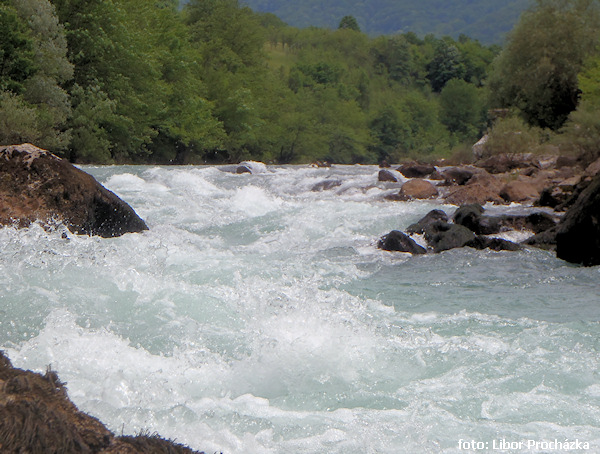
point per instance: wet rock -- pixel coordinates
(398, 241)
(428, 219)
(36, 416)
(442, 236)
(242, 169)
(415, 170)
(37, 185)
(326, 185)
(386, 175)
(471, 217)
(544, 240)
(496, 244)
(578, 234)
(418, 189)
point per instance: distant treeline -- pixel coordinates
(138, 81)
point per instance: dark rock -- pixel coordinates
(37, 185)
(537, 222)
(469, 216)
(457, 175)
(414, 170)
(326, 185)
(544, 240)
(429, 218)
(36, 416)
(442, 236)
(578, 235)
(386, 175)
(497, 244)
(398, 241)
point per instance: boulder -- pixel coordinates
(398, 241)
(457, 175)
(496, 244)
(578, 234)
(418, 189)
(519, 191)
(471, 217)
(544, 240)
(442, 236)
(428, 219)
(386, 175)
(593, 168)
(326, 185)
(36, 416)
(415, 170)
(503, 163)
(242, 169)
(37, 185)
(473, 193)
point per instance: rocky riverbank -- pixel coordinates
(557, 183)
(37, 417)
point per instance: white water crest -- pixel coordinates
(257, 316)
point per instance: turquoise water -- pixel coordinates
(257, 316)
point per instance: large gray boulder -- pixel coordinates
(36, 185)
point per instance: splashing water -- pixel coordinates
(257, 316)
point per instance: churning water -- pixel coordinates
(257, 316)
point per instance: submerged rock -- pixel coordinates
(36, 416)
(37, 185)
(386, 175)
(326, 185)
(400, 242)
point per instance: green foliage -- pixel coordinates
(17, 61)
(447, 64)
(461, 109)
(18, 120)
(537, 71)
(350, 23)
(512, 135)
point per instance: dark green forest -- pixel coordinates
(138, 81)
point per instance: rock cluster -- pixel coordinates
(36, 416)
(469, 228)
(36, 185)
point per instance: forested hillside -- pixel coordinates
(133, 81)
(485, 20)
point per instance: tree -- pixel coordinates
(447, 64)
(18, 120)
(16, 50)
(461, 109)
(350, 23)
(43, 90)
(537, 71)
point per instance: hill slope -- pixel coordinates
(485, 20)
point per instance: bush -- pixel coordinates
(512, 135)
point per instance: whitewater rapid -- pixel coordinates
(258, 316)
